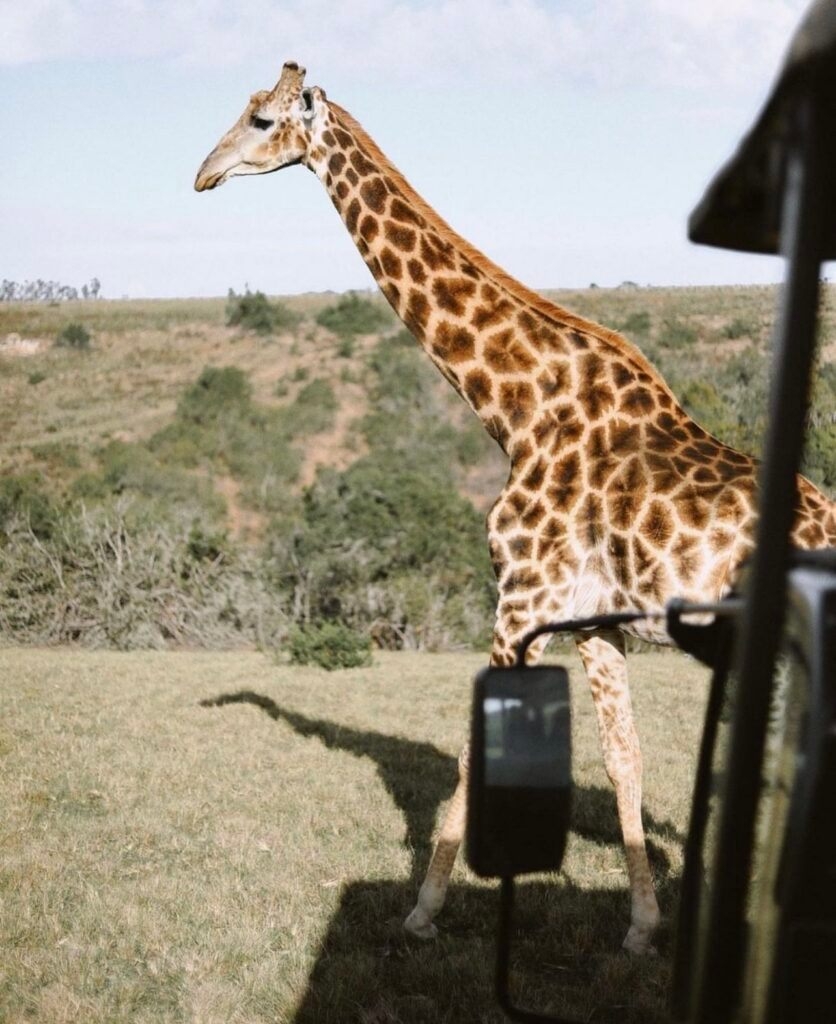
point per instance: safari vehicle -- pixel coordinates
(756, 935)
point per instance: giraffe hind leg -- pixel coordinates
(433, 890)
(606, 668)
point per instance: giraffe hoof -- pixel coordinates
(638, 943)
(419, 925)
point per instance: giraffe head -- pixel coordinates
(274, 131)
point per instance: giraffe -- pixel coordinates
(615, 497)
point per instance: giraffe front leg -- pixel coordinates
(433, 890)
(606, 669)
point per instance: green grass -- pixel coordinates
(215, 838)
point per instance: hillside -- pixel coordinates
(324, 439)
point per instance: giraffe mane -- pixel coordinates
(556, 313)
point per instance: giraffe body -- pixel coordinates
(615, 498)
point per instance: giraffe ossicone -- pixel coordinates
(615, 498)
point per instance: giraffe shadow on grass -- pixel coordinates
(567, 937)
(419, 778)
(566, 959)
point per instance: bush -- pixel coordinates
(74, 336)
(392, 551)
(217, 391)
(155, 488)
(101, 581)
(218, 423)
(740, 328)
(636, 323)
(254, 312)
(677, 334)
(22, 498)
(330, 645)
(352, 315)
(313, 410)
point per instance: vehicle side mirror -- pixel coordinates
(520, 778)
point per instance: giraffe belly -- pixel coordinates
(619, 577)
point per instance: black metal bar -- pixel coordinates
(687, 929)
(763, 612)
(611, 620)
(503, 961)
(607, 621)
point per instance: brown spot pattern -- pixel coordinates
(352, 214)
(453, 344)
(369, 228)
(361, 163)
(451, 294)
(516, 399)
(506, 353)
(400, 211)
(565, 481)
(594, 394)
(374, 194)
(391, 263)
(416, 271)
(417, 311)
(657, 525)
(401, 237)
(478, 388)
(336, 162)
(435, 257)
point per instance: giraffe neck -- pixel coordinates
(505, 349)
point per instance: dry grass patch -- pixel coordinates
(212, 837)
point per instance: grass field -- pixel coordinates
(217, 838)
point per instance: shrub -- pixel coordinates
(404, 338)
(330, 645)
(740, 328)
(636, 323)
(156, 490)
(22, 498)
(392, 551)
(352, 315)
(36, 377)
(74, 336)
(57, 456)
(203, 545)
(313, 410)
(217, 422)
(102, 580)
(701, 399)
(254, 312)
(218, 390)
(677, 334)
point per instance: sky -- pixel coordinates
(567, 139)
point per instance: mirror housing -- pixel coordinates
(520, 779)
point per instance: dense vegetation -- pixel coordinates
(255, 312)
(335, 500)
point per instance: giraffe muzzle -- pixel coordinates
(207, 179)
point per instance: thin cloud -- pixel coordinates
(656, 43)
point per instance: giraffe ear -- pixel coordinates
(306, 99)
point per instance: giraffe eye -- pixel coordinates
(261, 123)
